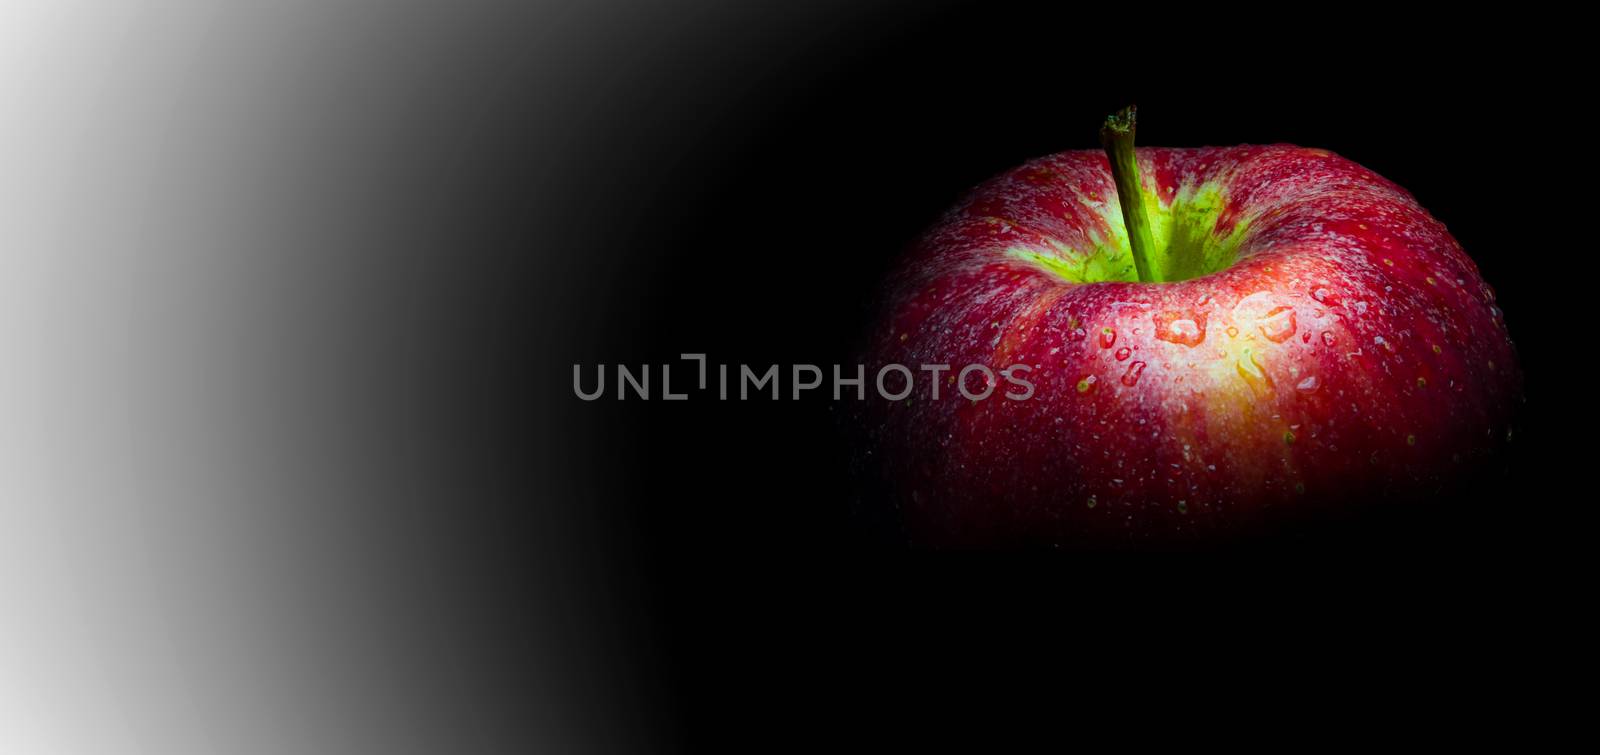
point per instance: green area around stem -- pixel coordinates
(1187, 243)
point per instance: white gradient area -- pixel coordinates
(130, 621)
(261, 488)
(187, 561)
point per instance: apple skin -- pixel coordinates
(1351, 357)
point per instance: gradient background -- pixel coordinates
(290, 293)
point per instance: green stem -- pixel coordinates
(1117, 137)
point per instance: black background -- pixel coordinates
(745, 179)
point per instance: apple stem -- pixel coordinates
(1117, 138)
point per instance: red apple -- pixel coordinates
(1286, 335)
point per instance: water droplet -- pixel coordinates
(1249, 369)
(1107, 338)
(1131, 377)
(1278, 325)
(1185, 328)
(1309, 385)
(1328, 338)
(1123, 353)
(1324, 296)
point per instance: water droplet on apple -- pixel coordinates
(1107, 337)
(1131, 377)
(1250, 369)
(1278, 325)
(1123, 353)
(1324, 296)
(1309, 385)
(1185, 328)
